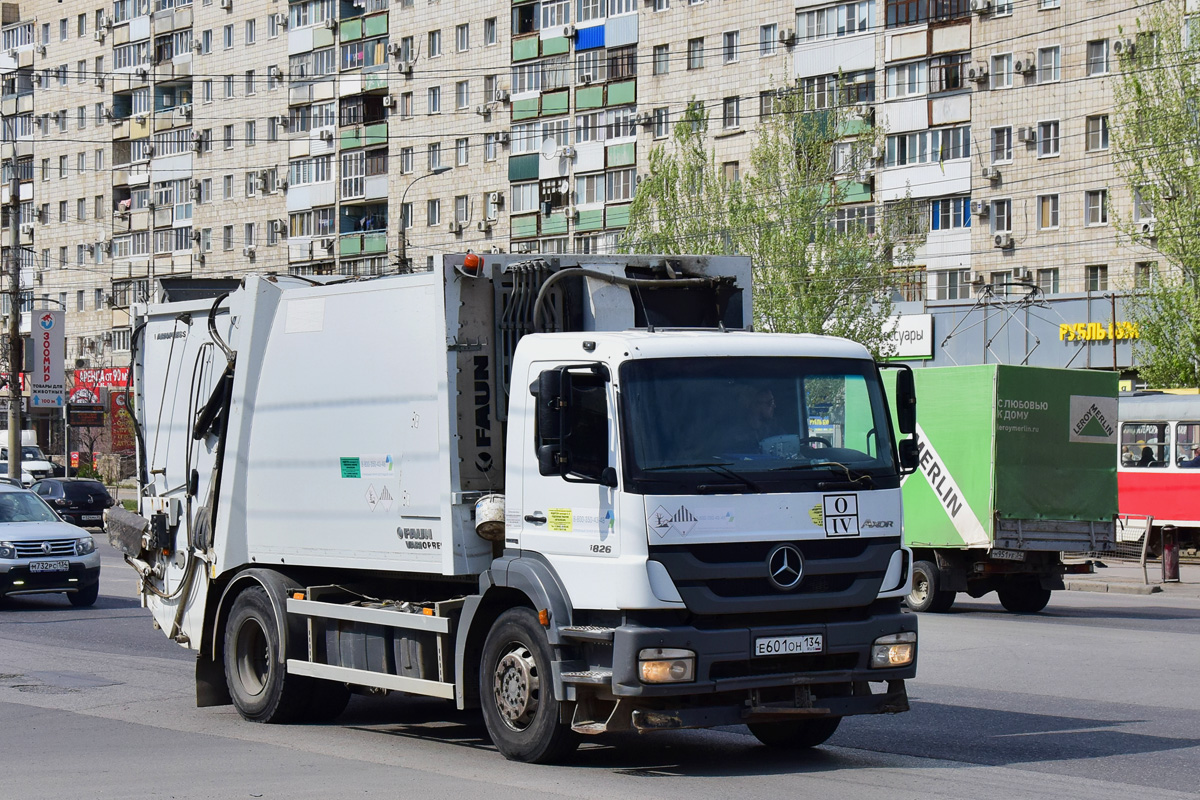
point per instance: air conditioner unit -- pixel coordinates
(98, 82)
(1123, 47)
(980, 208)
(568, 30)
(36, 78)
(106, 247)
(249, 250)
(227, 5)
(389, 101)
(1148, 230)
(978, 73)
(406, 67)
(991, 174)
(273, 71)
(565, 152)
(502, 137)
(185, 110)
(500, 96)
(27, 229)
(195, 236)
(496, 199)
(279, 226)
(1023, 275)
(496, 249)
(106, 22)
(1003, 240)
(981, 6)
(585, 79)
(787, 36)
(282, 121)
(644, 118)
(98, 36)
(484, 111)
(326, 135)
(484, 225)
(1027, 135)
(455, 227)
(149, 151)
(395, 49)
(141, 73)
(571, 213)
(41, 50)
(330, 24)
(281, 20)
(1026, 65)
(40, 214)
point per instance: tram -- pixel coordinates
(1158, 469)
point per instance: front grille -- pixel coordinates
(782, 665)
(731, 577)
(58, 547)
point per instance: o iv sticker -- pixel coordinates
(841, 514)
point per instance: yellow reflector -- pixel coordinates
(544, 617)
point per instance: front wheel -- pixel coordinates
(86, 596)
(799, 734)
(517, 692)
(1023, 597)
(255, 666)
(927, 593)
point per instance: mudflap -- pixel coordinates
(211, 688)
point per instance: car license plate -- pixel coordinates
(91, 517)
(788, 645)
(1008, 555)
(49, 566)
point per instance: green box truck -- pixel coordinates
(1017, 465)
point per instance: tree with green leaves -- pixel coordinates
(1156, 150)
(813, 272)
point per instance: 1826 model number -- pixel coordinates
(601, 548)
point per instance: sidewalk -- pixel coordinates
(1125, 577)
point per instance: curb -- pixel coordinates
(1111, 588)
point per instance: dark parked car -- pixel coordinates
(80, 501)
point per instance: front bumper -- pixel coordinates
(16, 579)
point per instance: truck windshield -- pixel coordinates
(758, 424)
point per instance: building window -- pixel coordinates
(1001, 76)
(1145, 274)
(435, 44)
(1001, 145)
(949, 213)
(620, 184)
(251, 33)
(695, 53)
(1049, 64)
(433, 212)
(249, 83)
(768, 39)
(662, 59)
(906, 12)
(406, 160)
(434, 100)
(662, 123)
(251, 128)
(946, 72)
(1047, 212)
(622, 63)
(1047, 280)
(1095, 202)
(1142, 210)
(906, 80)
(1097, 277)
(1097, 133)
(729, 48)
(227, 237)
(228, 86)
(462, 95)
(227, 39)
(1001, 216)
(1047, 139)
(954, 284)
(489, 31)
(462, 38)
(435, 155)
(461, 152)
(1097, 57)
(731, 113)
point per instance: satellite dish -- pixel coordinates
(549, 148)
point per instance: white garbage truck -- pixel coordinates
(576, 492)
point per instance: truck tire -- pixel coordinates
(799, 734)
(927, 594)
(86, 596)
(516, 689)
(255, 670)
(1023, 597)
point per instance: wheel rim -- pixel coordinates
(920, 590)
(253, 657)
(516, 686)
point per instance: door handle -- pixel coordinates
(536, 519)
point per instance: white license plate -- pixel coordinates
(1008, 555)
(91, 517)
(49, 566)
(788, 645)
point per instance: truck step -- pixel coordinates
(587, 633)
(590, 676)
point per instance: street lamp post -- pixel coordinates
(404, 218)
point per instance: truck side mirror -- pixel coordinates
(548, 389)
(909, 457)
(572, 424)
(906, 401)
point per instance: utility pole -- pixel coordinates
(16, 348)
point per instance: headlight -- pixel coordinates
(7, 550)
(666, 665)
(894, 650)
(85, 545)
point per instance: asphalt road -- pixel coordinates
(1094, 698)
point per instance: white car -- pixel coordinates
(26, 478)
(33, 461)
(40, 553)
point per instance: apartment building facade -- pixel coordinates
(209, 138)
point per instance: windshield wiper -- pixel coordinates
(719, 467)
(855, 478)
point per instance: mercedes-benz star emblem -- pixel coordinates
(785, 566)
